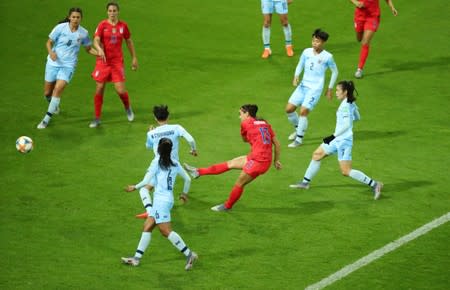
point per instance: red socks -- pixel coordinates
(98, 102)
(214, 169)
(363, 55)
(235, 194)
(125, 100)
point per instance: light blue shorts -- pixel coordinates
(161, 211)
(269, 6)
(53, 73)
(342, 147)
(305, 97)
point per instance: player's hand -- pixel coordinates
(151, 127)
(101, 54)
(134, 64)
(183, 198)
(277, 164)
(289, 1)
(295, 81)
(193, 152)
(130, 188)
(328, 139)
(394, 11)
(53, 56)
(329, 94)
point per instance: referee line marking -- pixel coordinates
(379, 253)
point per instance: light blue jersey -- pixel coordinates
(66, 45)
(314, 67)
(165, 180)
(172, 132)
(345, 115)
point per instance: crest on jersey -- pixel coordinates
(319, 61)
(121, 30)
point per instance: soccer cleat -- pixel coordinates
(95, 123)
(377, 190)
(289, 50)
(133, 261)
(220, 207)
(142, 215)
(292, 136)
(193, 172)
(266, 53)
(130, 114)
(301, 185)
(190, 261)
(359, 73)
(42, 125)
(294, 144)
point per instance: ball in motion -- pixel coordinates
(24, 144)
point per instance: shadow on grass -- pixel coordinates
(393, 66)
(300, 208)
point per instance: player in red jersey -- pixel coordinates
(261, 137)
(109, 67)
(367, 20)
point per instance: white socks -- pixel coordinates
(312, 170)
(52, 107)
(143, 244)
(287, 34)
(301, 128)
(293, 118)
(361, 177)
(178, 242)
(266, 36)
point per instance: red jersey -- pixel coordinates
(259, 134)
(371, 9)
(111, 37)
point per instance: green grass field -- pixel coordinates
(66, 221)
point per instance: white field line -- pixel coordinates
(379, 253)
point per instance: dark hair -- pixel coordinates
(319, 33)
(348, 86)
(71, 10)
(161, 112)
(251, 109)
(164, 150)
(112, 4)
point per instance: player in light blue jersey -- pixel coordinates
(164, 170)
(154, 135)
(313, 62)
(63, 46)
(268, 7)
(341, 142)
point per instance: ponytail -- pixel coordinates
(349, 87)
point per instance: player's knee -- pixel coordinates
(345, 171)
(304, 112)
(266, 24)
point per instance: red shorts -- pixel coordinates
(104, 72)
(255, 168)
(367, 23)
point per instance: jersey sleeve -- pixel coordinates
(188, 137)
(55, 33)
(300, 65)
(151, 171)
(86, 41)
(149, 142)
(99, 30)
(186, 178)
(244, 130)
(126, 31)
(334, 71)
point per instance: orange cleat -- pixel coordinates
(289, 50)
(142, 215)
(267, 52)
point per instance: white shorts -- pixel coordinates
(161, 211)
(53, 73)
(269, 6)
(342, 147)
(305, 97)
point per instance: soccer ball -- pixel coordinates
(24, 144)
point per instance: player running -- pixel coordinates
(341, 142)
(163, 170)
(261, 137)
(313, 62)
(63, 46)
(109, 66)
(163, 130)
(367, 20)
